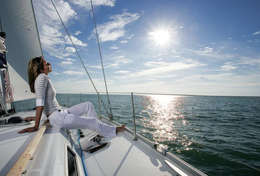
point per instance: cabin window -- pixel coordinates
(72, 163)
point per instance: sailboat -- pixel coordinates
(61, 152)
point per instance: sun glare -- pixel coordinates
(160, 37)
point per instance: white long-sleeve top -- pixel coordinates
(2, 45)
(45, 94)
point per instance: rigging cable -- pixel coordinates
(1, 27)
(101, 58)
(76, 49)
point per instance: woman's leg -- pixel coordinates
(72, 121)
(86, 108)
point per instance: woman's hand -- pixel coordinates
(28, 119)
(120, 129)
(29, 130)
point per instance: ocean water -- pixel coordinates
(217, 135)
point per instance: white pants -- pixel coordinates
(72, 118)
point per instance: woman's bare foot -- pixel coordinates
(120, 129)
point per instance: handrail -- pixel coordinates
(133, 107)
(21, 164)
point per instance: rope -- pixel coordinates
(76, 49)
(101, 58)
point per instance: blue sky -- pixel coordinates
(170, 46)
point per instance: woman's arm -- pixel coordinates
(39, 110)
(40, 86)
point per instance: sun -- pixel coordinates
(160, 37)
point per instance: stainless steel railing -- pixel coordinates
(133, 108)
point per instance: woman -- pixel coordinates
(31, 118)
(71, 118)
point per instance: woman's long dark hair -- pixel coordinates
(35, 66)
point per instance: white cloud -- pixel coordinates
(240, 61)
(114, 48)
(55, 73)
(119, 60)
(206, 50)
(127, 38)
(70, 49)
(115, 28)
(45, 11)
(50, 36)
(228, 66)
(122, 72)
(95, 66)
(115, 62)
(249, 61)
(123, 41)
(69, 59)
(79, 85)
(197, 84)
(219, 84)
(78, 32)
(66, 62)
(86, 3)
(211, 53)
(130, 37)
(72, 72)
(256, 33)
(75, 40)
(158, 68)
(50, 28)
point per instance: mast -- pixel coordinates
(1, 94)
(3, 89)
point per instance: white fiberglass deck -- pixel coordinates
(13, 144)
(121, 157)
(125, 157)
(50, 155)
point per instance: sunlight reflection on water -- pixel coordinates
(165, 118)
